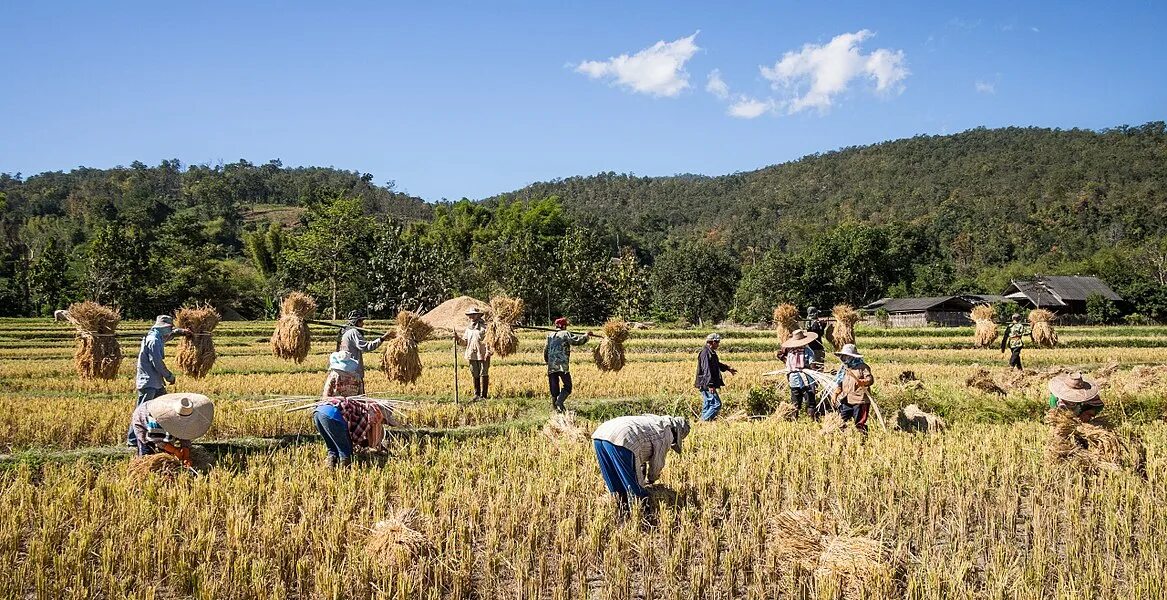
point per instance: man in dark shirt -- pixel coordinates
(815, 324)
(709, 380)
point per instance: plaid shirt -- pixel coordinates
(361, 418)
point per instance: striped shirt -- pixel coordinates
(797, 359)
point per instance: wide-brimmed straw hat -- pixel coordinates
(799, 338)
(474, 310)
(163, 322)
(1073, 388)
(342, 361)
(849, 350)
(713, 337)
(680, 427)
(183, 415)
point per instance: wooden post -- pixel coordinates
(455, 340)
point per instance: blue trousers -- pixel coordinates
(335, 434)
(618, 467)
(710, 404)
(144, 395)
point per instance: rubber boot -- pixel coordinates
(486, 387)
(345, 462)
(477, 389)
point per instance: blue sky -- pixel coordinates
(472, 99)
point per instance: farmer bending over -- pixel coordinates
(170, 423)
(709, 380)
(557, 355)
(342, 419)
(1076, 394)
(631, 452)
(152, 374)
(853, 387)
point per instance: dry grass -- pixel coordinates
(505, 313)
(396, 538)
(785, 321)
(566, 428)
(196, 354)
(785, 411)
(808, 542)
(832, 423)
(985, 332)
(983, 381)
(1090, 446)
(291, 340)
(1041, 322)
(844, 327)
(400, 359)
(914, 419)
(97, 355)
(609, 353)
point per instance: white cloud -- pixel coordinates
(716, 86)
(985, 87)
(817, 73)
(749, 108)
(658, 70)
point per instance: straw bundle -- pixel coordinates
(163, 464)
(98, 354)
(400, 359)
(811, 542)
(785, 411)
(1041, 322)
(609, 354)
(913, 419)
(196, 354)
(291, 339)
(500, 331)
(396, 537)
(564, 427)
(981, 380)
(785, 321)
(832, 423)
(845, 319)
(986, 330)
(1090, 446)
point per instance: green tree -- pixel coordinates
(694, 280)
(121, 267)
(48, 279)
(330, 254)
(631, 287)
(584, 274)
(1101, 310)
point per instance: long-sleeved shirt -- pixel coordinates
(1013, 337)
(798, 359)
(148, 431)
(354, 343)
(152, 371)
(557, 352)
(648, 437)
(816, 326)
(709, 369)
(475, 342)
(854, 381)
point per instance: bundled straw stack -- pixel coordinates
(1090, 446)
(291, 339)
(168, 465)
(400, 359)
(396, 538)
(609, 353)
(809, 542)
(844, 331)
(564, 427)
(983, 381)
(98, 354)
(1041, 322)
(500, 331)
(986, 329)
(785, 321)
(196, 354)
(915, 420)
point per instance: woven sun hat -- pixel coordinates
(1073, 388)
(849, 350)
(800, 338)
(163, 322)
(713, 337)
(342, 361)
(183, 415)
(474, 310)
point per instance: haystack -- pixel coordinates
(291, 339)
(396, 538)
(844, 331)
(1091, 446)
(449, 317)
(807, 541)
(168, 465)
(400, 359)
(565, 428)
(785, 411)
(505, 313)
(986, 329)
(785, 321)
(832, 423)
(913, 419)
(98, 354)
(196, 354)
(1041, 322)
(983, 381)
(609, 353)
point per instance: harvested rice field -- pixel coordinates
(486, 500)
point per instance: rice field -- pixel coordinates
(500, 510)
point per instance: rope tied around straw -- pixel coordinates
(400, 359)
(98, 355)
(196, 353)
(505, 313)
(291, 340)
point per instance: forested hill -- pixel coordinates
(991, 195)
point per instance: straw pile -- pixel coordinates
(981, 380)
(98, 354)
(564, 427)
(807, 541)
(196, 354)
(1041, 321)
(1090, 446)
(785, 411)
(609, 354)
(832, 423)
(845, 319)
(785, 321)
(450, 317)
(396, 537)
(986, 330)
(291, 339)
(500, 331)
(400, 359)
(913, 419)
(168, 465)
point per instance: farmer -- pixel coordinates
(342, 419)
(152, 374)
(352, 341)
(632, 451)
(816, 325)
(798, 355)
(853, 387)
(557, 355)
(1077, 395)
(709, 380)
(477, 352)
(169, 424)
(1013, 339)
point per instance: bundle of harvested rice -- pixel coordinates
(196, 353)
(1041, 322)
(400, 359)
(163, 464)
(291, 339)
(785, 411)
(785, 321)
(807, 541)
(913, 419)
(832, 423)
(1090, 446)
(906, 376)
(986, 330)
(564, 427)
(609, 353)
(98, 354)
(845, 319)
(396, 538)
(500, 332)
(981, 380)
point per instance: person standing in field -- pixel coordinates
(798, 356)
(816, 325)
(632, 450)
(152, 374)
(1014, 340)
(477, 352)
(709, 379)
(557, 355)
(352, 341)
(1076, 394)
(853, 387)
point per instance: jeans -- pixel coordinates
(804, 395)
(559, 394)
(618, 468)
(1015, 358)
(144, 395)
(335, 434)
(856, 413)
(710, 404)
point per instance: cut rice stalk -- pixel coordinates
(785, 321)
(400, 359)
(196, 353)
(98, 355)
(609, 353)
(291, 339)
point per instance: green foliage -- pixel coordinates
(1003, 312)
(1101, 310)
(763, 399)
(632, 295)
(694, 280)
(48, 283)
(329, 256)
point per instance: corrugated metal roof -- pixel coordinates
(985, 298)
(1037, 293)
(897, 305)
(1057, 290)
